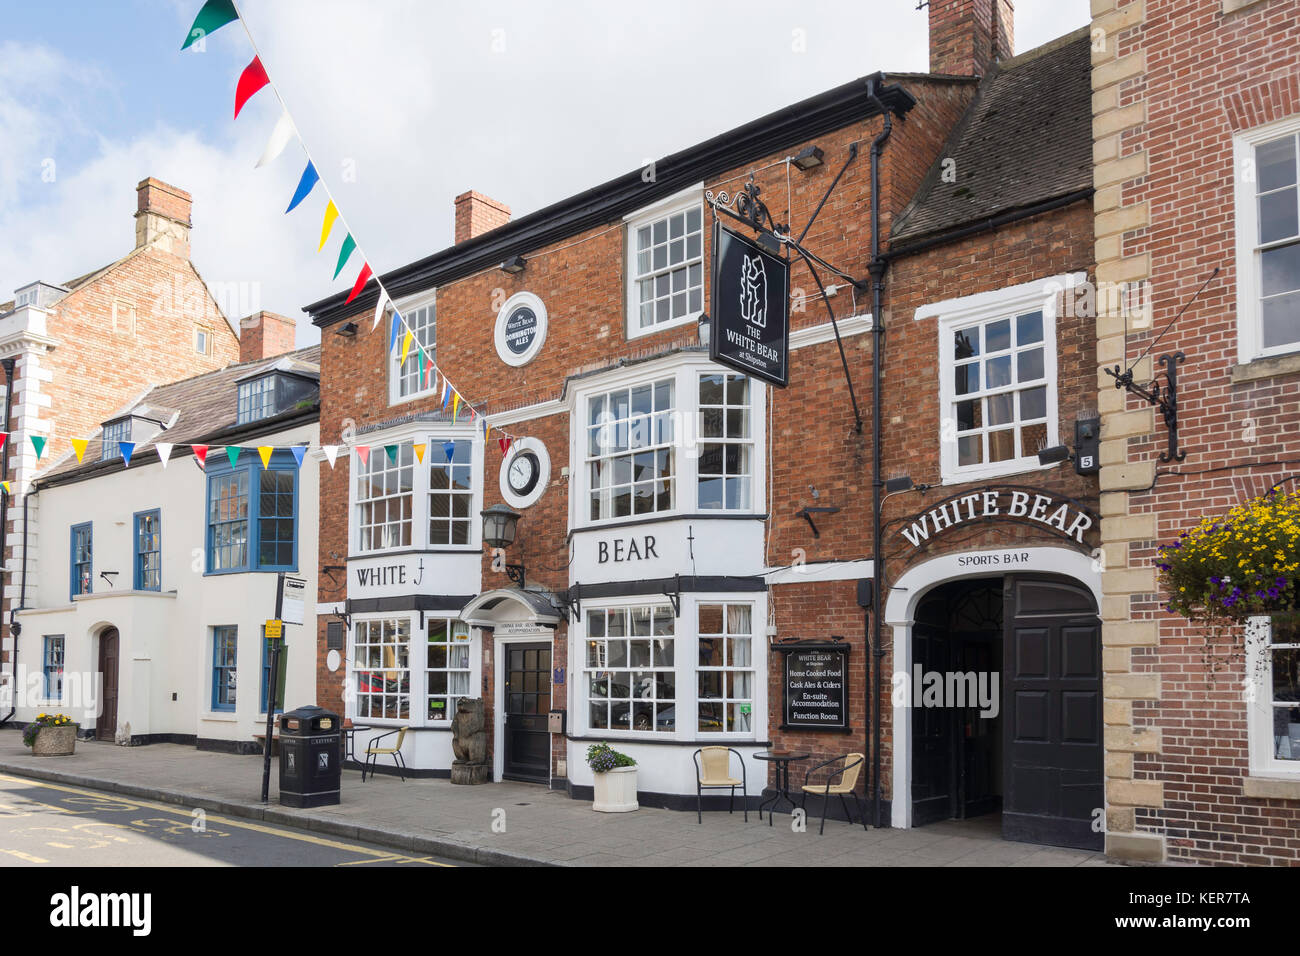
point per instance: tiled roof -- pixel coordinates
(202, 406)
(1026, 138)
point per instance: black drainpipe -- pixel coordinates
(877, 270)
(8, 365)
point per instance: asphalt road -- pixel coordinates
(52, 824)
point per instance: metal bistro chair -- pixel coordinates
(373, 753)
(716, 775)
(848, 774)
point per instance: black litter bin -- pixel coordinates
(310, 744)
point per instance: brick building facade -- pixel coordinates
(670, 548)
(84, 349)
(1195, 170)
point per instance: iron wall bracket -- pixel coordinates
(1163, 397)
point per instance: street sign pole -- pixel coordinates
(273, 685)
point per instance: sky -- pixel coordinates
(404, 104)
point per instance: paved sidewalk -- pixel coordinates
(541, 827)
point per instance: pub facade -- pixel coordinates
(693, 560)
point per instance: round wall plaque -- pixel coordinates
(520, 329)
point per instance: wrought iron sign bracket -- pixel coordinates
(1163, 397)
(807, 514)
(515, 573)
(675, 596)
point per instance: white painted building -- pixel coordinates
(146, 621)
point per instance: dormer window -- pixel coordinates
(271, 394)
(132, 428)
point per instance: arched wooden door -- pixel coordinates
(106, 723)
(1053, 776)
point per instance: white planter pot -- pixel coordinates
(616, 790)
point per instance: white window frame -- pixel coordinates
(1259, 697)
(393, 358)
(455, 626)
(1246, 216)
(417, 656)
(685, 668)
(413, 667)
(685, 369)
(420, 486)
(678, 202)
(957, 314)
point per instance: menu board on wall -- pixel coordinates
(816, 683)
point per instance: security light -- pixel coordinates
(347, 330)
(1053, 455)
(514, 265)
(894, 485)
(808, 158)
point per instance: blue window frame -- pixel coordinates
(52, 667)
(148, 550)
(266, 674)
(115, 432)
(253, 515)
(224, 655)
(82, 558)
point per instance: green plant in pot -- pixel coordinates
(615, 779)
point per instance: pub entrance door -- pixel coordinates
(526, 703)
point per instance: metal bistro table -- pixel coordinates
(782, 761)
(350, 739)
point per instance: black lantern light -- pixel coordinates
(499, 525)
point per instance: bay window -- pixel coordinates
(726, 668)
(447, 667)
(384, 493)
(451, 494)
(381, 668)
(630, 670)
(683, 439)
(253, 515)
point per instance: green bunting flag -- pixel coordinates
(38, 442)
(348, 245)
(214, 15)
(391, 451)
(232, 452)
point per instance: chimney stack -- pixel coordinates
(264, 335)
(477, 214)
(968, 36)
(162, 217)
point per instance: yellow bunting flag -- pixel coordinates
(265, 452)
(455, 405)
(419, 452)
(406, 344)
(79, 446)
(331, 213)
(6, 486)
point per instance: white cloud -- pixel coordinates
(528, 102)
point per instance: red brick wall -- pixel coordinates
(477, 214)
(1207, 75)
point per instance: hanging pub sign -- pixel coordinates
(816, 685)
(750, 309)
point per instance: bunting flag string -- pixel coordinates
(215, 14)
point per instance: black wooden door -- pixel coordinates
(106, 723)
(933, 733)
(527, 696)
(1052, 721)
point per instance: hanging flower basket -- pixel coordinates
(51, 735)
(1237, 566)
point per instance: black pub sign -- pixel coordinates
(816, 683)
(750, 311)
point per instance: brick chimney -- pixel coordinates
(162, 217)
(264, 335)
(477, 214)
(967, 36)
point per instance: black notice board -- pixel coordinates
(815, 679)
(750, 308)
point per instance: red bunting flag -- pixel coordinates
(363, 452)
(201, 453)
(362, 279)
(505, 443)
(4, 437)
(250, 81)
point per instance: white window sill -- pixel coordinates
(1022, 466)
(632, 333)
(222, 717)
(1266, 366)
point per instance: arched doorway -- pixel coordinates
(1027, 641)
(106, 722)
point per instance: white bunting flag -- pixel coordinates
(279, 139)
(331, 452)
(164, 451)
(379, 309)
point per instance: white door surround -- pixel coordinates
(900, 611)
